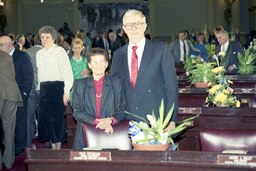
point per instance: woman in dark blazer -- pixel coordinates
(98, 99)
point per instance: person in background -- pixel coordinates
(200, 48)
(231, 50)
(24, 77)
(147, 69)
(20, 42)
(34, 94)
(98, 99)
(10, 99)
(78, 63)
(56, 79)
(180, 48)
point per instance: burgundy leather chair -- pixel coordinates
(94, 137)
(218, 140)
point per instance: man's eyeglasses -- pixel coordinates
(136, 25)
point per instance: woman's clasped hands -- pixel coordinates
(105, 124)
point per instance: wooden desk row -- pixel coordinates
(240, 81)
(213, 118)
(195, 97)
(209, 117)
(115, 160)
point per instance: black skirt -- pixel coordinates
(51, 119)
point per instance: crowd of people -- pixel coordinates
(100, 77)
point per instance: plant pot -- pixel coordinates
(201, 85)
(151, 147)
(222, 105)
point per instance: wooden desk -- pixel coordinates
(213, 117)
(240, 81)
(195, 97)
(59, 160)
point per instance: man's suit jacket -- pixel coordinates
(84, 103)
(231, 55)
(23, 71)
(156, 79)
(175, 49)
(8, 86)
(32, 54)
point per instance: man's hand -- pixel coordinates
(171, 126)
(231, 68)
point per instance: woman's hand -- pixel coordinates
(103, 123)
(84, 73)
(109, 129)
(66, 98)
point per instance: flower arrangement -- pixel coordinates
(154, 130)
(221, 95)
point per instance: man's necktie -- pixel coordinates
(184, 49)
(134, 66)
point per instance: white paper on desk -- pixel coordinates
(92, 148)
(235, 151)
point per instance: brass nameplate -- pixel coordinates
(243, 160)
(184, 90)
(90, 155)
(246, 90)
(190, 110)
(231, 77)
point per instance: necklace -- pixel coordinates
(98, 96)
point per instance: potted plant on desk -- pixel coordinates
(246, 63)
(152, 134)
(202, 75)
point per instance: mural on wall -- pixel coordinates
(102, 17)
(2, 20)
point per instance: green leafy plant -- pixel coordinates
(210, 49)
(190, 63)
(203, 73)
(154, 130)
(246, 63)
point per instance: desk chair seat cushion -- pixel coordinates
(218, 140)
(94, 137)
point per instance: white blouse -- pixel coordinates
(53, 65)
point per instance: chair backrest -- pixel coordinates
(94, 137)
(218, 140)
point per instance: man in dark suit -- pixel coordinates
(148, 70)
(10, 99)
(24, 77)
(231, 49)
(180, 48)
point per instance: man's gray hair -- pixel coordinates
(133, 12)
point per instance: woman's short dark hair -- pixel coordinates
(49, 30)
(97, 51)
